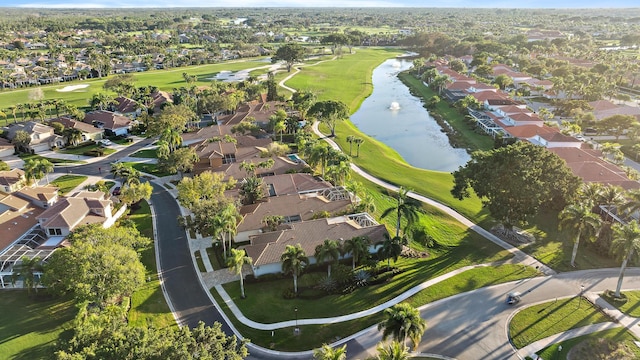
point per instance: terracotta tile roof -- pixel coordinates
(305, 206)
(14, 224)
(267, 248)
(587, 164)
(527, 131)
(14, 203)
(126, 105)
(73, 124)
(525, 117)
(557, 136)
(73, 211)
(601, 105)
(286, 184)
(513, 109)
(39, 193)
(108, 119)
(11, 177)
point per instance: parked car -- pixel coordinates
(105, 142)
(116, 191)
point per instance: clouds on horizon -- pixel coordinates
(322, 3)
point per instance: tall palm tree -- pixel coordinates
(229, 221)
(612, 196)
(393, 351)
(328, 251)
(582, 221)
(403, 321)
(358, 247)
(591, 193)
(391, 248)
(326, 352)
(319, 154)
(73, 136)
(293, 262)
(359, 141)
(236, 261)
(632, 203)
(172, 137)
(405, 206)
(350, 140)
(28, 268)
(626, 244)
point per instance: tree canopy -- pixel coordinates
(516, 180)
(329, 112)
(289, 53)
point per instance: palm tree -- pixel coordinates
(358, 142)
(172, 137)
(391, 248)
(626, 244)
(405, 206)
(293, 261)
(350, 140)
(28, 268)
(252, 190)
(393, 351)
(319, 155)
(229, 221)
(581, 220)
(591, 193)
(236, 261)
(632, 203)
(45, 167)
(612, 196)
(358, 247)
(403, 321)
(326, 352)
(163, 150)
(329, 250)
(36, 169)
(73, 136)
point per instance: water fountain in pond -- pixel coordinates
(394, 106)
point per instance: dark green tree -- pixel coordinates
(289, 53)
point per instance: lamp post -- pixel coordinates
(581, 293)
(296, 329)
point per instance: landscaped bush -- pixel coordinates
(328, 285)
(361, 277)
(94, 152)
(289, 294)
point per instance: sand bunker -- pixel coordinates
(72, 88)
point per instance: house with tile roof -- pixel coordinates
(89, 132)
(127, 107)
(603, 109)
(293, 207)
(85, 207)
(40, 196)
(266, 248)
(17, 216)
(12, 180)
(42, 136)
(112, 123)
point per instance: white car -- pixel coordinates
(580, 137)
(105, 142)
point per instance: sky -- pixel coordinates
(320, 3)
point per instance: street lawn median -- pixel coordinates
(630, 305)
(619, 336)
(543, 320)
(27, 157)
(67, 183)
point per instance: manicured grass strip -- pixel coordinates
(553, 317)
(29, 328)
(617, 335)
(471, 280)
(630, 307)
(26, 157)
(310, 336)
(214, 259)
(148, 306)
(148, 168)
(314, 336)
(199, 261)
(81, 150)
(146, 153)
(67, 183)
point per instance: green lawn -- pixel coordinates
(67, 183)
(631, 306)
(81, 150)
(148, 306)
(543, 320)
(26, 157)
(29, 328)
(164, 79)
(199, 261)
(616, 335)
(148, 168)
(147, 154)
(314, 336)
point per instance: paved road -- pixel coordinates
(473, 325)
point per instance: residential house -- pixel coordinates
(85, 207)
(266, 248)
(40, 196)
(17, 216)
(294, 208)
(89, 132)
(604, 108)
(12, 180)
(113, 124)
(127, 107)
(42, 136)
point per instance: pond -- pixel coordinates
(398, 119)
